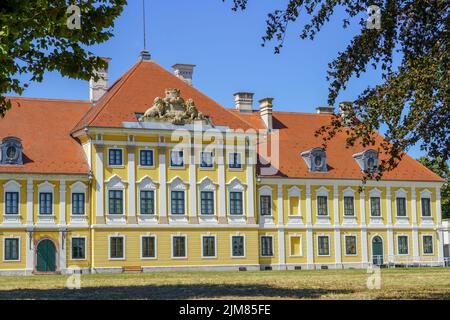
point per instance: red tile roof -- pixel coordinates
(135, 91)
(296, 134)
(44, 127)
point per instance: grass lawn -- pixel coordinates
(400, 283)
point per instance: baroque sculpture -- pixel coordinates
(174, 109)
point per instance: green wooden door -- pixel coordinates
(377, 251)
(46, 257)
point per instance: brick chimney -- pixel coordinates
(244, 101)
(265, 112)
(98, 88)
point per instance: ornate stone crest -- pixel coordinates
(174, 109)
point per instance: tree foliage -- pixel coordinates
(436, 167)
(412, 103)
(35, 38)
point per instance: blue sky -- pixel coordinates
(226, 47)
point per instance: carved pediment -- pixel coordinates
(174, 109)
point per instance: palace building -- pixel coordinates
(151, 174)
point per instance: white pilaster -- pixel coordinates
(62, 252)
(29, 252)
(337, 232)
(192, 189)
(162, 186)
(62, 202)
(131, 185)
(222, 191)
(30, 193)
(439, 225)
(364, 251)
(415, 232)
(250, 191)
(281, 237)
(390, 233)
(309, 233)
(99, 185)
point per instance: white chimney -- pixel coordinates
(265, 112)
(325, 110)
(244, 101)
(98, 88)
(184, 72)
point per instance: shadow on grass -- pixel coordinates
(198, 291)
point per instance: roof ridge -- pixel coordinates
(48, 99)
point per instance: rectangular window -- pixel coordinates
(265, 205)
(177, 202)
(235, 161)
(209, 246)
(294, 203)
(236, 203)
(115, 202)
(266, 246)
(402, 244)
(322, 205)
(176, 158)
(206, 160)
(350, 245)
(116, 247)
(115, 157)
(77, 203)
(12, 202)
(324, 246)
(148, 247)
(237, 246)
(349, 208)
(146, 158)
(207, 202)
(427, 244)
(45, 203)
(375, 206)
(296, 249)
(78, 248)
(11, 249)
(147, 202)
(426, 207)
(401, 207)
(179, 246)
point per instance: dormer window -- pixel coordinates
(11, 151)
(367, 160)
(315, 159)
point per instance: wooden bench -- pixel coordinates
(131, 269)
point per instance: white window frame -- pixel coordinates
(231, 246)
(295, 235)
(19, 247)
(345, 245)
(206, 184)
(235, 185)
(139, 158)
(401, 193)
(185, 246)
(329, 245)
(115, 183)
(241, 168)
(115, 165)
(85, 247)
(265, 191)
(78, 187)
(425, 193)
(11, 186)
(212, 159)
(177, 184)
(142, 248)
(407, 244)
(375, 193)
(432, 244)
(322, 192)
(348, 192)
(294, 192)
(215, 246)
(170, 159)
(124, 247)
(260, 246)
(147, 184)
(46, 187)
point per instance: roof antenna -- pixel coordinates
(145, 54)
